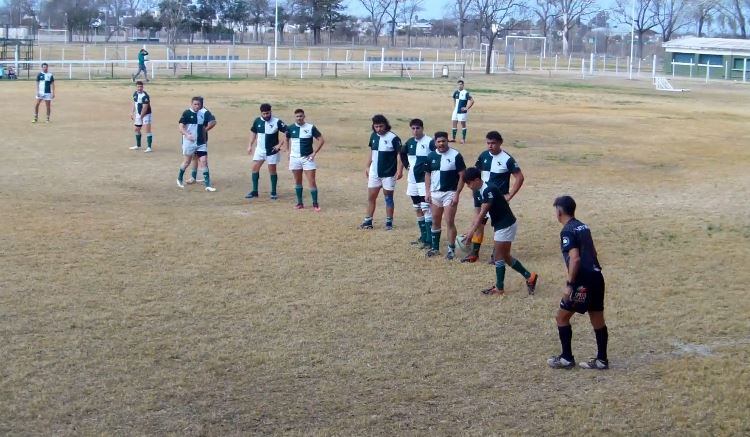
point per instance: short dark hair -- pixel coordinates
(140, 82)
(265, 107)
(416, 122)
(494, 135)
(380, 119)
(44, 64)
(471, 174)
(460, 81)
(566, 204)
(299, 111)
(197, 99)
(440, 134)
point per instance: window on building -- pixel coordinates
(688, 58)
(739, 64)
(711, 59)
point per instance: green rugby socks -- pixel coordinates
(298, 192)
(517, 266)
(138, 140)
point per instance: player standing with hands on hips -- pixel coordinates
(141, 116)
(584, 290)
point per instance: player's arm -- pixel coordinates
(144, 109)
(210, 125)
(52, 87)
(251, 142)
(132, 110)
(477, 223)
(369, 161)
(321, 141)
(186, 133)
(517, 183)
(574, 265)
(470, 104)
(283, 143)
(427, 185)
(460, 187)
(397, 146)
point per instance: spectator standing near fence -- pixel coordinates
(45, 91)
(142, 58)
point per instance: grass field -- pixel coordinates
(131, 307)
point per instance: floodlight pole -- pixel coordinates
(632, 40)
(276, 38)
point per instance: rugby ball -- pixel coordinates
(460, 244)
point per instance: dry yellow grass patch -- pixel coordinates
(129, 306)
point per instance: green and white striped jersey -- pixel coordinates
(195, 123)
(462, 99)
(139, 99)
(44, 83)
(417, 151)
(384, 151)
(268, 133)
(444, 169)
(301, 139)
(496, 169)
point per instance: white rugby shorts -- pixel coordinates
(301, 163)
(140, 121)
(44, 96)
(415, 189)
(388, 183)
(506, 234)
(260, 155)
(460, 116)
(442, 198)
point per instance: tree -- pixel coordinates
(146, 21)
(409, 10)
(259, 12)
(733, 10)
(317, 15)
(15, 10)
(644, 18)
(237, 15)
(392, 13)
(173, 17)
(496, 17)
(78, 14)
(702, 13)
(669, 16)
(544, 10)
(462, 12)
(376, 10)
(570, 13)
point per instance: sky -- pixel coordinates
(433, 9)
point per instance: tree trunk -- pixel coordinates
(566, 34)
(740, 19)
(460, 34)
(489, 53)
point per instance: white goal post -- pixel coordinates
(542, 51)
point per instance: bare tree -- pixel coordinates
(570, 13)
(702, 13)
(392, 13)
(544, 10)
(377, 10)
(644, 18)
(669, 16)
(409, 10)
(733, 10)
(496, 17)
(461, 9)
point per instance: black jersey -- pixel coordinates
(576, 235)
(500, 212)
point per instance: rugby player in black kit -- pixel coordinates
(584, 289)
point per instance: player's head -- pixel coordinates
(494, 141)
(299, 116)
(441, 141)
(265, 111)
(460, 84)
(139, 86)
(417, 127)
(380, 124)
(565, 207)
(473, 178)
(44, 67)
(196, 103)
